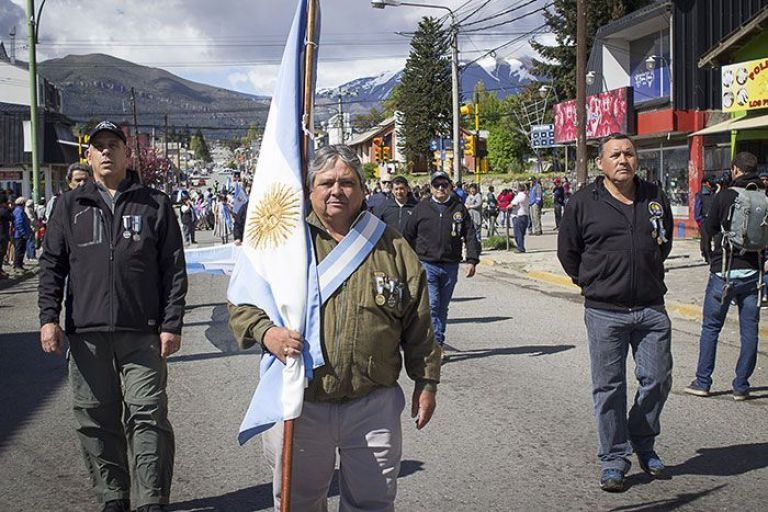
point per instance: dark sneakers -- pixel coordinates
(740, 396)
(651, 464)
(612, 480)
(117, 506)
(694, 389)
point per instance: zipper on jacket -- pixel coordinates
(111, 276)
(339, 315)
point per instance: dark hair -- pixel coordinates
(745, 161)
(77, 166)
(613, 136)
(399, 180)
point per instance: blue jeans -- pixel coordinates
(441, 280)
(31, 248)
(648, 331)
(744, 292)
(520, 225)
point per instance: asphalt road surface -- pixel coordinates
(513, 430)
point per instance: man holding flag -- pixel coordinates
(353, 403)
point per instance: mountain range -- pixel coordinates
(98, 86)
(503, 76)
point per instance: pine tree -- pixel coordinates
(424, 94)
(558, 62)
(200, 147)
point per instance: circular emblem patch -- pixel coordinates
(655, 209)
(458, 217)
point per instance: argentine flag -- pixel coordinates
(275, 269)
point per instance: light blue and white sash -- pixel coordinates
(344, 259)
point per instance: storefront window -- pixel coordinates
(669, 168)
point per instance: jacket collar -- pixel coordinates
(91, 191)
(314, 220)
(641, 189)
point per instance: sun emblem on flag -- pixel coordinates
(273, 218)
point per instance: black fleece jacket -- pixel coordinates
(115, 282)
(394, 215)
(609, 249)
(436, 233)
(717, 220)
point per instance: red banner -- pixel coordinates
(608, 112)
(10, 175)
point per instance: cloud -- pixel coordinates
(222, 42)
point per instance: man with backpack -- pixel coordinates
(737, 225)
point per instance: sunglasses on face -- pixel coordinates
(441, 185)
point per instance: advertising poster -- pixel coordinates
(608, 112)
(745, 85)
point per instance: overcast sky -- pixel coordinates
(237, 44)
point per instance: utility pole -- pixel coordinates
(341, 121)
(581, 93)
(32, 33)
(136, 133)
(455, 93)
(476, 101)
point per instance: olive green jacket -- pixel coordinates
(361, 339)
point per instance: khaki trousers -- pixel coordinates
(368, 436)
(118, 383)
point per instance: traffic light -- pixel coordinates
(469, 145)
(385, 153)
(466, 110)
(377, 142)
(82, 145)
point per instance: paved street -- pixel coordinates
(513, 430)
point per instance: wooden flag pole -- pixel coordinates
(309, 79)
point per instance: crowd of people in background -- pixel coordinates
(219, 207)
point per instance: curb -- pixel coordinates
(677, 309)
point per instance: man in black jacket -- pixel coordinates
(399, 206)
(742, 275)
(614, 237)
(117, 246)
(436, 230)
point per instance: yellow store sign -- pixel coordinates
(745, 85)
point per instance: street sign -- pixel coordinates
(542, 136)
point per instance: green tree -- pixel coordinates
(199, 147)
(424, 94)
(558, 62)
(363, 122)
(254, 133)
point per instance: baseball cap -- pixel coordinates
(440, 174)
(108, 126)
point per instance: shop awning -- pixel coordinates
(750, 123)
(725, 126)
(743, 123)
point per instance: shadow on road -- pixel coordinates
(210, 305)
(28, 379)
(481, 320)
(259, 497)
(532, 350)
(466, 299)
(667, 504)
(724, 460)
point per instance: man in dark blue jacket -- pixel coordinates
(117, 245)
(437, 230)
(614, 237)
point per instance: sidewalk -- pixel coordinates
(686, 272)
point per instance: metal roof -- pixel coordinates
(715, 56)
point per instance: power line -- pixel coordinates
(502, 13)
(512, 20)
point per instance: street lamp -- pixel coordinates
(650, 65)
(380, 4)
